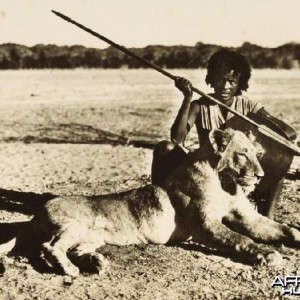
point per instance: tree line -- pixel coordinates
(15, 56)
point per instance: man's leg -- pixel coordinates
(166, 157)
(267, 208)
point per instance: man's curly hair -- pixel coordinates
(235, 62)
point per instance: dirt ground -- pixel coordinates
(57, 150)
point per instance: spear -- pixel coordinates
(261, 128)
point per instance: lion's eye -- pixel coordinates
(242, 154)
(241, 157)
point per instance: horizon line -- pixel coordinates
(149, 45)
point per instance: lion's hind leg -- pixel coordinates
(84, 255)
(55, 251)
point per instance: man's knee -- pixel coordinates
(164, 147)
(166, 157)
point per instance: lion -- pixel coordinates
(204, 199)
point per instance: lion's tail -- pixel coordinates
(7, 247)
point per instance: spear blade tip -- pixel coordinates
(61, 15)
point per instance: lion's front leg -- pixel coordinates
(214, 234)
(261, 228)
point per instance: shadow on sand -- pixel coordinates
(27, 203)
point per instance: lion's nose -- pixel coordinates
(259, 173)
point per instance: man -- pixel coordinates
(228, 74)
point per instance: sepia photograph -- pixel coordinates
(149, 149)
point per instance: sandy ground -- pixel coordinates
(73, 163)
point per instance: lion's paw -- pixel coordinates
(99, 263)
(272, 258)
(70, 269)
(296, 235)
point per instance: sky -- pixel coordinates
(138, 23)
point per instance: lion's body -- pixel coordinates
(205, 198)
(143, 215)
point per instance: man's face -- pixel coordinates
(226, 84)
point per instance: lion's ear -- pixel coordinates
(250, 136)
(219, 140)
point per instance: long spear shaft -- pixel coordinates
(264, 130)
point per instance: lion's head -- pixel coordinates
(239, 159)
